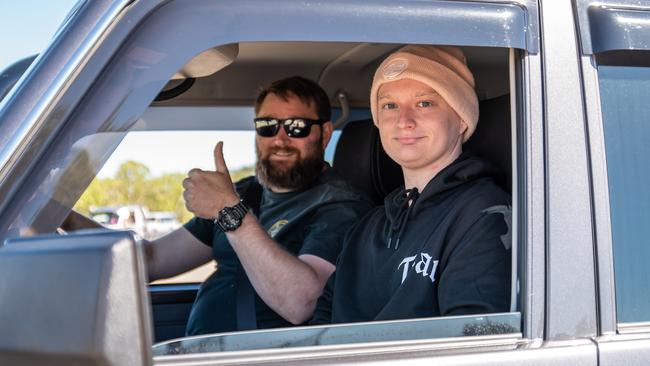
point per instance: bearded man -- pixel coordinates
(273, 262)
(287, 248)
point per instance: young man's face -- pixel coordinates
(286, 163)
(418, 129)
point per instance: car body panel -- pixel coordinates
(110, 60)
(569, 226)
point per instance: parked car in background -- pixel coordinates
(128, 217)
(147, 224)
(160, 223)
(563, 88)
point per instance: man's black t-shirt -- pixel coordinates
(311, 221)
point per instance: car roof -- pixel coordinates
(336, 66)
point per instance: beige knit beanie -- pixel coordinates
(443, 68)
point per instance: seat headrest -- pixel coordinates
(361, 160)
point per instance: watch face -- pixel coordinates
(228, 219)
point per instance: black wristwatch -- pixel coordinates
(230, 218)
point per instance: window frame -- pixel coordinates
(526, 65)
(619, 342)
(610, 33)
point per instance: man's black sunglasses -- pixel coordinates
(294, 127)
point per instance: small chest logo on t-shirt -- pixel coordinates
(276, 227)
(422, 264)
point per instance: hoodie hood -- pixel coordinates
(466, 168)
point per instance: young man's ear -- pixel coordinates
(463, 127)
(328, 128)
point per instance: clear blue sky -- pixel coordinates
(27, 26)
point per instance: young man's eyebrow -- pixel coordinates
(427, 93)
(417, 95)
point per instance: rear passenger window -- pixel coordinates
(624, 100)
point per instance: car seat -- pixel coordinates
(362, 161)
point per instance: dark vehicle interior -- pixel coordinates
(345, 71)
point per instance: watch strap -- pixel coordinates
(240, 208)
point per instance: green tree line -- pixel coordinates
(133, 184)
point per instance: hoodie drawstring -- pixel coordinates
(411, 195)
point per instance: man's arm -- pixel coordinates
(289, 285)
(175, 253)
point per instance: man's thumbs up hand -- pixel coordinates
(207, 192)
(219, 162)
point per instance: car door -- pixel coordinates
(615, 52)
(103, 71)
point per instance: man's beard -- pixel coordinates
(301, 174)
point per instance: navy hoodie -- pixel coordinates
(447, 253)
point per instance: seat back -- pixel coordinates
(492, 139)
(362, 161)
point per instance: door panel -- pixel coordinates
(629, 350)
(171, 305)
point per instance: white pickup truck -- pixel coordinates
(129, 217)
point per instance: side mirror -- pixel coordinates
(10, 75)
(74, 299)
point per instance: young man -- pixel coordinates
(288, 249)
(441, 244)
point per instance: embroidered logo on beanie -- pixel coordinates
(396, 67)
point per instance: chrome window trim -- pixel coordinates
(349, 353)
(634, 328)
(516, 269)
(532, 225)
